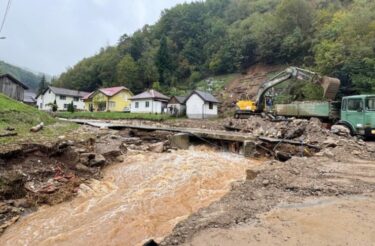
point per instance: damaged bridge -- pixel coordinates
(181, 138)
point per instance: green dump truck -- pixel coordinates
(357, 113)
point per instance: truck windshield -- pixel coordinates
(370, 104)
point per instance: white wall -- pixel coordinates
(196, 108)
(49, 97)
(154, 106)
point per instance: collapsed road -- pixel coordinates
(133, 185)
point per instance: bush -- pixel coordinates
(71, 107)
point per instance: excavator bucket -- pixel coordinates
(330, 87)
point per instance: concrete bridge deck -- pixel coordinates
(202, 133)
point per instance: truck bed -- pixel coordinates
(323, 110)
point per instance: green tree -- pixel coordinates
(127, 72)
(163, 61)
(71, 108)
(42, 85)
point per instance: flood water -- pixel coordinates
(144, 197)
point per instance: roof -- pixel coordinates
(150, 94)
(359, 96)
(112, 90)
(109, 92)
(207, 97)
(66, 92)
(29, 97)
(179, 99)
(14, 80)
(88, 95)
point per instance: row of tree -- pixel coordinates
(200, 39)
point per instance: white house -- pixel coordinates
(176, 106)
(150, 101)
(201, 105)
(63, 98)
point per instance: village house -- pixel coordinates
(176, 106)
(201, 105)
(12, 87)
(150, 101)
(63, 98)
(114, 99)
(29, 98)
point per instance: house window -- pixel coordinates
(62, 97)
(76, 99)
(210, 105)
(49, 91)
(112, 104)
(147, 104)
(66, 106)
(41, 105)
(136, 104)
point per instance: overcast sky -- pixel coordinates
(50, 35)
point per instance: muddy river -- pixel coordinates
(144, 197)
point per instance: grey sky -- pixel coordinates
(51, 35)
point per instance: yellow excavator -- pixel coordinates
(245, 108)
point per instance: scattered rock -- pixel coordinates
(120, 158)
(340, 130)
(157, 148)
(99, 160)
(82, 168)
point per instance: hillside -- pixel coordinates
(194, 41)
(22, 117)
(28, 78)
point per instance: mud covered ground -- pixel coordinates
(337, 172)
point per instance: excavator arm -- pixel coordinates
(330, 85)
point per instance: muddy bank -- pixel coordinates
(335, 172)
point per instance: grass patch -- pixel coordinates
(22, 117)
(113, 116)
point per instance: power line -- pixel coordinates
(5, 14)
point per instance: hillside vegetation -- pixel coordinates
(193, 41)
(30, 79)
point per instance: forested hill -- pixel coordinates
(200, 39)
(28, 78)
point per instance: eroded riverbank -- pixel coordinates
(144, 197)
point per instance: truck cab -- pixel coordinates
(358, 114)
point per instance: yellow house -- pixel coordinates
(114, 99)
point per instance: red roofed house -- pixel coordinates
(114, 99)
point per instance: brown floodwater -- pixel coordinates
(144, 197)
